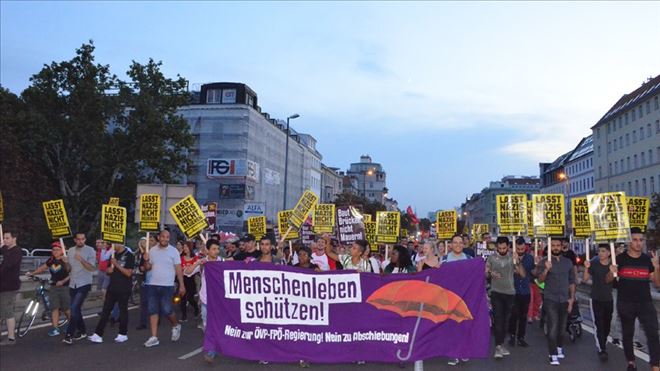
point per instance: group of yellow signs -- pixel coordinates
(608, 216)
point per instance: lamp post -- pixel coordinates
(286, 157)
(564, 178)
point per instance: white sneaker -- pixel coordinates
(505, 352)
(176, 332)
(498, 352)
(554, 361)
(560, 353)
(121, 338)
(95, 339)
(151, 342)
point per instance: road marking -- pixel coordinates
(47, 324)
(191, 354)
(638, 353)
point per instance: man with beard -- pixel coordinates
(518, 320)
(558, 296)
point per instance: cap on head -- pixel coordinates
(248, 237)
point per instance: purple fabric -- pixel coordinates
(382, 334)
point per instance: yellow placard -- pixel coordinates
(56, 218)
(323, 218)
(305, 204)
(445, 224)
(367, 217)
(114, 201)
(257, 226)
(283, 224)
(370, 235)
(2, 209)
(512, 213)
(150, 212)
(189, 216)
(638, 212)
(113, 223)
(388, 224)
(580, 217)
(608, 216)
(478, 230)
(549, 216)
(530, 218)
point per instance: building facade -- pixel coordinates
(627, 143)
(368, 179)
(331, 183)
(579, 176)
(481, 207)
(238, 156)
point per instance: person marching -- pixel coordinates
(601, 302)
(82, 262)
(456, 254)
(188, 258)
(522, 283)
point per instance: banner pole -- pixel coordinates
(549, 249)
(613, 253)
(146, 247)
(113, 250)
(286, 234)
(204, 239)
(290, 251)
(446, 248)
(587, 248)
(62, 246)
(536, 247)
(387, 251)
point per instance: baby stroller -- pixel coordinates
(574, 323)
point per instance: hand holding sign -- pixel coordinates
(548, 265)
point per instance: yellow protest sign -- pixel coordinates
(530, 218)
(305, 204)
(150, 212)
(608, 216)
(548, 214)
(638, 212)
(113, 223)
(114, 201)
(387, 226)
(580, 217)
(367, 217)
(370, 235)
(512, 213)
(323, 218)
(56, 218)
(2, 209)
(403, 233)
(445, 224)
(283, 224)
(257, 226)
(189, 216)
(478, 230)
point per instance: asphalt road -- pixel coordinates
(37, 351)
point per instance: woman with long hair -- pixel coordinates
(430, 258)
(189, 259)
(400, 261)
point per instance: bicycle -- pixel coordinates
(30, 313)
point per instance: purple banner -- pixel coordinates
(260, 311)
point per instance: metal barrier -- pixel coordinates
(41, 252)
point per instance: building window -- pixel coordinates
(650, 156)
(621, 166)
(636, 187)
(652, 180)
(648, 129)
(656, 104)
(634, 116)
(641, 133)
(635, 163)
(213, 96)
(626, 118)
(609, 168)
(615, 146)
(613, 125)
(657, 126)
(609, 147)
(644, 187)
(616, 167)
(630, 188)
(598, 130)
(627, 139)
(643, 158)
(640, 111)
(599, 150)
(628, 163)
(634, 136)
(648, 106)
(600, 172)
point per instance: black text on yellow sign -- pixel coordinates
(608, 216)
(323, 218)
(114, 201)
(445, 224)
(512, 213)
(56, 218)
(149, 212)
(478, 230)
(189, 216)
(387, 226)
(257, 226)
(303, 207)
(283, 225)
(113, 223)
(370, 235)
(2, 209)
(638, 212)
(580, 217)
(530, 218)
(548, 214)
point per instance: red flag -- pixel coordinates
(411, 214)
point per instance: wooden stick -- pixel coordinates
(286, 234)
(290, 252)
(536, 247)
(587, 248)
(147, 245)
(204, 239)
(113, 250)
(613, 253)
(549, 248)
(446, 247)
(62, 246)
(387, 250)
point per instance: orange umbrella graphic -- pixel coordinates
(405, 297)
(419, 299)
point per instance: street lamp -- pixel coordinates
(286, 156)
(369, 172)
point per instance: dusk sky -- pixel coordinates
(446, 96)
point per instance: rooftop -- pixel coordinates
(627, 101)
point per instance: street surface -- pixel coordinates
(37, 351)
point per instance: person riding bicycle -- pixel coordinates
(59, 298)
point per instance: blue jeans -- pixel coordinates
(77, 323)
(160, 300)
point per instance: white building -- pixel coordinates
(369, 179)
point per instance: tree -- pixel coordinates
(96, 136)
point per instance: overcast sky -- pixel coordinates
(447, 96)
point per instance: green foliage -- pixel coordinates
(93, 136)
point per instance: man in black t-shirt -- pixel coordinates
(602, 304)
(250, 251)
(58, 295)
(120, 271)
(635, 269)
